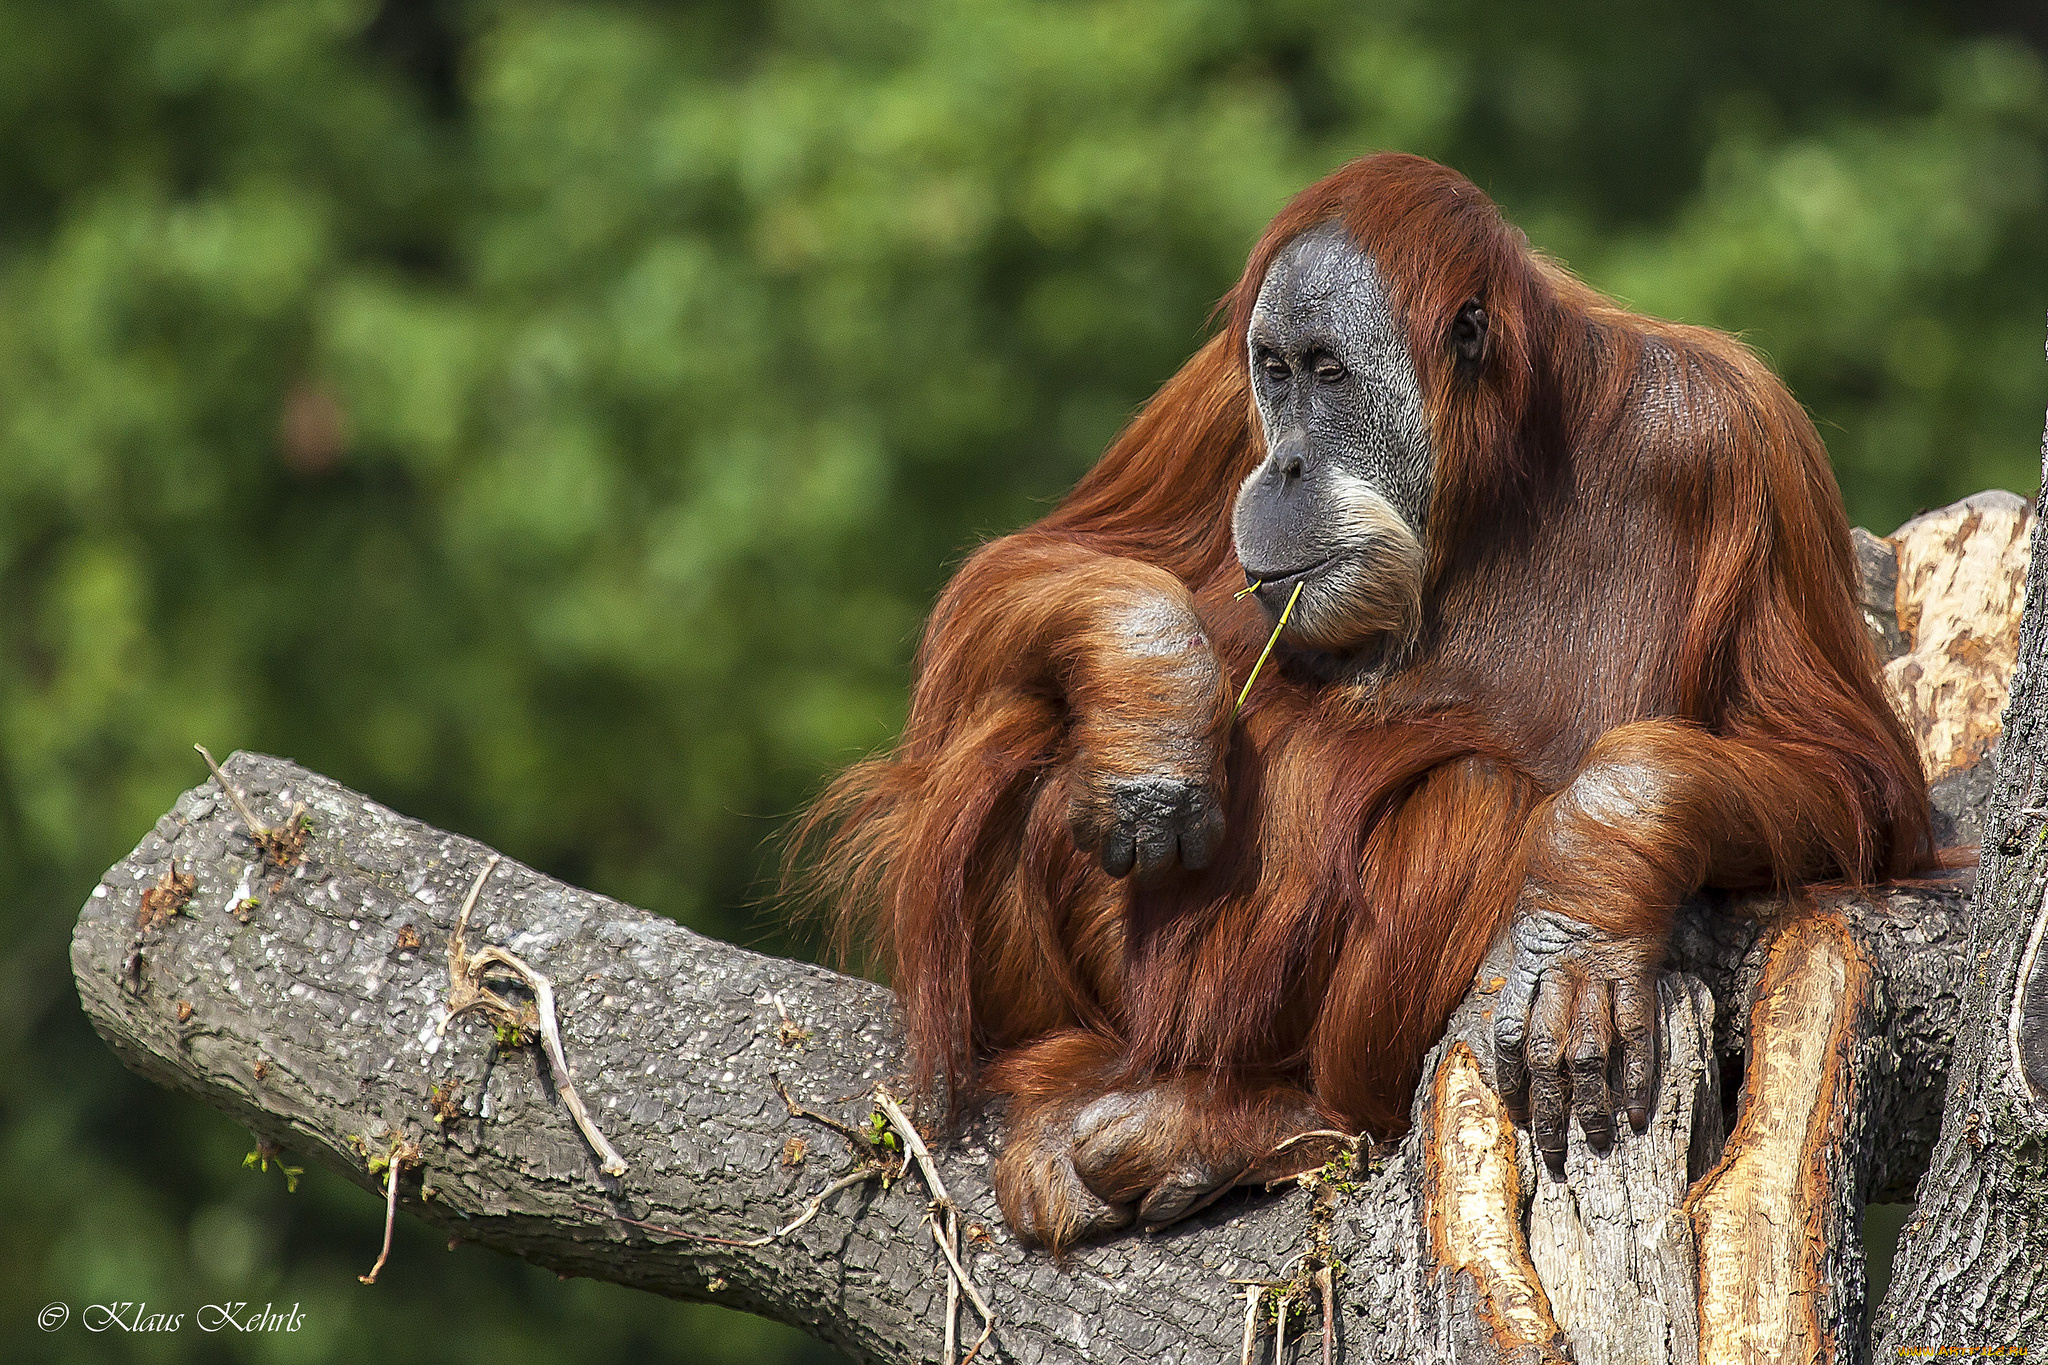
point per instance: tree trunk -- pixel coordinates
(302, 992)
(1972, 1267)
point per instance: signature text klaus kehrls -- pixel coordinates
(229, 1316)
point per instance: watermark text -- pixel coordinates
(138, 1316)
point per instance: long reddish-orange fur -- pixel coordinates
(1640, 571)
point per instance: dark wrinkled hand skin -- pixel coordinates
(1144, 825)
(1575, 1031)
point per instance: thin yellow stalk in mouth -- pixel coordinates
(1272, 640)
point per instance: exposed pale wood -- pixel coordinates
(1473, 1192)
(1764, 1217)
(1961, 575)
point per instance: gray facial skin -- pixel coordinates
(1340, 502)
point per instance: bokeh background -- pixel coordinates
(555, 419)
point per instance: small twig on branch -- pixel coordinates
(403, 1154)
(1326, 1282)
(466, 991)
(860, 1141)
(952, 1242)
(943, 1204)
(788, 1031)
(551, 1040)
(256, 827)
(390, 1217)
(1349, 1141)
(281, 844)
(988, 1318)
(1284, 1293)
(945, 1232)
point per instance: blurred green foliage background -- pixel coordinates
(555, 419)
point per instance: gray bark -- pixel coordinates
(1972, 1266)
(313, 1023)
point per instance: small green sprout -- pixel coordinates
(267, 1152)
(880, 1134)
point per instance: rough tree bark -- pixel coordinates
(304, 1000)
(1972, 1267)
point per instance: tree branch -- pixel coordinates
(312, 1018)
